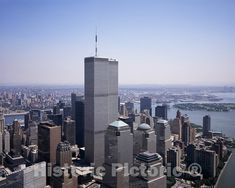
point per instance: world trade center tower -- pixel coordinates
(101, 104)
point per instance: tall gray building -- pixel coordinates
(101, 104)
(6, 141)
(144, 139)
(118, 149)
(1, 123)
(69, 131)
(1, 132)
(164, 142)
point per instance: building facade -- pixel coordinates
(101, 104)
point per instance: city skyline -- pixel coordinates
(163, 42)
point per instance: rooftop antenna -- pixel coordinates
(96, 40)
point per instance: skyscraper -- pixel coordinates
(101, 104)
(6, 141)
(79, 120)
(129, 107)
(63, 154)
(78, 114)
(73, 100)
(162, 130)
(69, 131)
(16, 137)
(176, 127)
(118, 149)
(185, 129)
(206, 125)
(173, 157)
(161, 111)
(144, 139)
(146, 104)
(49, 136)
(1, 123)
(32, 133)
(207, 159)
(35, 115)
(1, 132)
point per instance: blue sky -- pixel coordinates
(156, 42)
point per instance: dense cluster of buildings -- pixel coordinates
(98, 141)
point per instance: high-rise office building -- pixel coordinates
(26, 120)
(190, 151)
(69, 131)
(192, 134)
(56, 109)
(146, 118)
(129, 107)
(173, 157)
(101, 104)
(118, 149)
(146, 104)
(162, 130)
(1, 132)
(154, 171)
(78, 114)
(206, 125)
(32, 133)
(207, 159)
(1, 123)
(67, 111)
(185, 129)
(144, 139)
(56, 118)
(49, 136)
(16, 138)
(80, 121)
(176, 127)
(34, 176)
(6, 141)
(123, 111)
(63, 154)
(161, 111)
(73, 100)
(35, 115)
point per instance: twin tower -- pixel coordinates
(101, 104)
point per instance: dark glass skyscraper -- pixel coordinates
(79, 119)
(161, 111)
(206, 125)
(146, 104)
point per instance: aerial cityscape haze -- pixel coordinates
(117, 94)
(158, 39)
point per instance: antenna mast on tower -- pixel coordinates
(96, 40)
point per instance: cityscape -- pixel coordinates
(100, 133)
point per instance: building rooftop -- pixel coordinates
(148, 157)
(144, 126)
(118, 124)
(162, 121)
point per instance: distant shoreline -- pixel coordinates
(209, 107)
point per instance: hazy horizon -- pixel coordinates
(156, 42)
